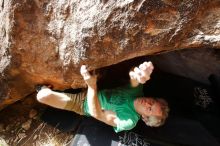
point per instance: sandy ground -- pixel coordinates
(20, 125)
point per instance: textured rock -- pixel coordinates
(5, 57)
(191, 63)
(47, 41)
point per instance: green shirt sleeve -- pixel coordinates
(124, 125)
(126, 120)
(135, 91)
(130, 91)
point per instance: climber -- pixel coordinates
(120, 108)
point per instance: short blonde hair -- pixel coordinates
(155, 121)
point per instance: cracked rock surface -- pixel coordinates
(45, 42)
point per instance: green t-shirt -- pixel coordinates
(120, 101)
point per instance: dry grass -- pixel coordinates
(54, 138)
(42, 135)
(45, 135)
(38, 133)
(3, 142)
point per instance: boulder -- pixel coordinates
(45, 42)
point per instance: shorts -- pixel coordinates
(76, 102)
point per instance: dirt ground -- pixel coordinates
(20, 125)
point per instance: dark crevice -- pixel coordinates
(117, 75)
(3, 2)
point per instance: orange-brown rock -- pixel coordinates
(47, 41)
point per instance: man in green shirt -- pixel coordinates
(121, 107)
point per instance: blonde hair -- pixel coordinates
(155, 121)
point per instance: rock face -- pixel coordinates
(191, 63)
(47, 41)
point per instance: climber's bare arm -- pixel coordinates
(141, 74)
(94, 106)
